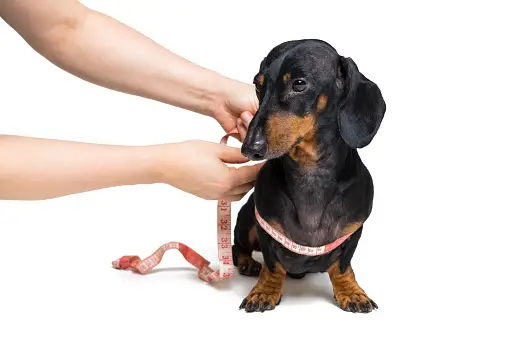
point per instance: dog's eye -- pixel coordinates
(299, 85)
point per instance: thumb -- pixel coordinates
(231, 155)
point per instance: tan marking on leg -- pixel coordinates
(252, 236)
(267, 292)
(347, 292)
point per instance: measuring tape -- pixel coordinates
(205, 272)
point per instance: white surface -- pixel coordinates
(433, 255)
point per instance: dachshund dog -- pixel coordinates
(316, 109)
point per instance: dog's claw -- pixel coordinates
(258, 305)
(357, 303)
(252, 306)
(265, 306)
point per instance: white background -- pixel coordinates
(433, 254)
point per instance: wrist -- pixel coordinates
(142, 166)
(229, 93)
(154, 161)
(217, 92)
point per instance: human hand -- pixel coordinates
(199, 168)
(237, 108)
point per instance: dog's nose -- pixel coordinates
(255, 148)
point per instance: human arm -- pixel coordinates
(37, 169)
(103, 51)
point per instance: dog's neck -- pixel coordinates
(327, 162)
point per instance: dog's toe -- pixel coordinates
(355, 302)
(260, 302)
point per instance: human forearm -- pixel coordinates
(35, 169)
(106, 52)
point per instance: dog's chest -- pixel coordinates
(317, 217)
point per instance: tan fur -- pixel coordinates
(347, 291)
(283, 130)
(351, 227)
(269, 287)
(322, 103)
(287, 77)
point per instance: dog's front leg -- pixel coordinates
(347, 292)
(267, 292)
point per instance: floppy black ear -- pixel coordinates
(363, 107)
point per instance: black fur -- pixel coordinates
(313, 205)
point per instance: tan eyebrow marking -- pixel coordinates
(261, 79)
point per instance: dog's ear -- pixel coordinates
(362, 108)
(262, 63)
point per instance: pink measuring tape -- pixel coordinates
(293, 246)
(205, 272)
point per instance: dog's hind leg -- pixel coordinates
(245, 241)
(347, 292)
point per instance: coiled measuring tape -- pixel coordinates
(205, 272)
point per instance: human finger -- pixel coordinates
(236, 197)
(244, 174)
(231, 155)
(241, 189)
(241, 127)
(246, 118)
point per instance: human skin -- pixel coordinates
(66, 33)
(37, 169)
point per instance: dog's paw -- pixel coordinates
(355, 302)
(250, 268)
(245, 263)
(267, 292)
(260, 302)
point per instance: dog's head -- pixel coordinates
(302, 84)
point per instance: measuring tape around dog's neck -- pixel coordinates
(205, 272)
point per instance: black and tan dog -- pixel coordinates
(316, 109)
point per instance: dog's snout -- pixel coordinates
(255, 146)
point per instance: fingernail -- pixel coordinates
(246, 118)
